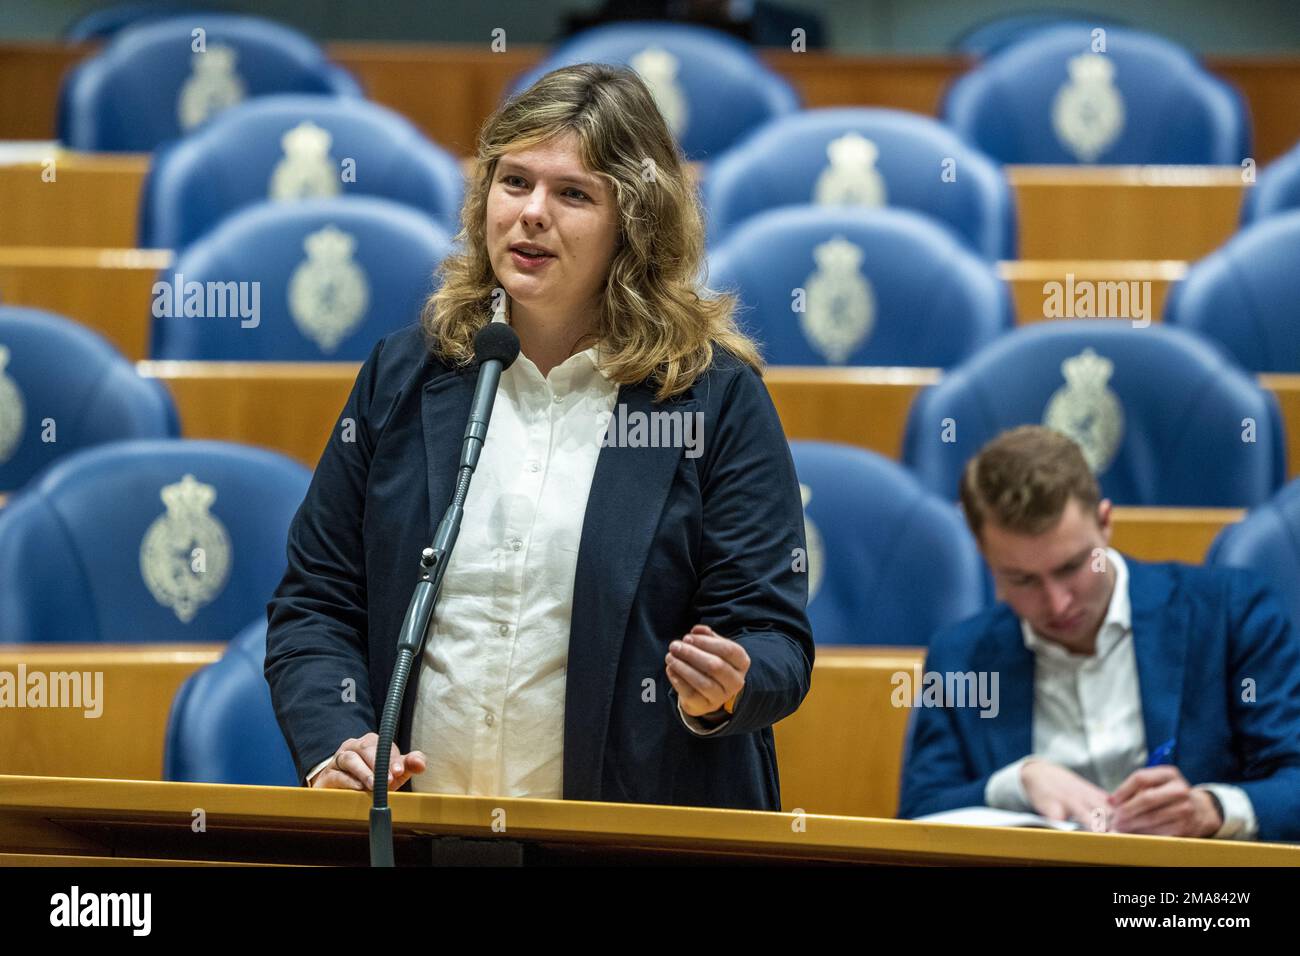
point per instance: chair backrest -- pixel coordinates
(993, 36)
(888, 562)
(860, 287)
(292, 147)
(864, 157)
(1267, 541)
(64, 388)
(1163, 416)
(710, 87)
(315, 280)
(1276, 190)
(147, 541)
(161, 79)
(1054, 98)
(222, 727)
(1244, 294)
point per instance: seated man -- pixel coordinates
(1138, 698)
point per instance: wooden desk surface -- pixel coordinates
(89, 818)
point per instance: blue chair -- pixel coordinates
(1162, 416)
(1050, 99)
(222, 728)
(889, 563)
(1267, 541)
(860, 287)
(147, 541)
(63, 388)
(710, 87)
(864, 157)
(315, 280)
(1244, 294)
(291, 147)
(993, 36)
(149, 86)
(1277, 189)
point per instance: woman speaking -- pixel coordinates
(621, 618)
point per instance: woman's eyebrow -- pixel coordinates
(579, 178)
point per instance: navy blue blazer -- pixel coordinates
(668, 541)
(1204, 638)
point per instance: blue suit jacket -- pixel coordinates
(1199, 634)
(667, 542)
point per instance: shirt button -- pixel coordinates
(559, 399)
(515, 544)
(489, 718)
(504, 629)
(534, 466)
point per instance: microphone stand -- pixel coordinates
(419, 613)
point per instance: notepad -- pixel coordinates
(990, 817)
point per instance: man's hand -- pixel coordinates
(1159, 801)
(353, 767)
(706, 669)
(1061, 794)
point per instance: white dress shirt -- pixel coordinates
(489, 715)
(1087, 715)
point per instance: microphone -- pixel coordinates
(496, 346)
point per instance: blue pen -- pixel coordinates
(1162, 754)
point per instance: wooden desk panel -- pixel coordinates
(109, 291)
(94, 200)
(1125, 212)
(126, 739)
(54, 815)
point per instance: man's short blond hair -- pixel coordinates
(1023, 479)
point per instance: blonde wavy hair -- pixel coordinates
(654, 324)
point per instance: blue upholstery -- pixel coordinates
(1182, 405)
(63, 388)
(130, 96)
(787, 162)
(222, 728)
(363, 268)
(1173, 111)
(118, 544)
(923, 298)
(727, 90)
(993, 36)
(891, 563)
(241, 157)
(1267, 541)
(1276, 190)
(1244, 294)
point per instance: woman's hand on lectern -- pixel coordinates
(353, 767)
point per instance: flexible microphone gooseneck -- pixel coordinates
(496, 346)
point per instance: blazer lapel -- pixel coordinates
(1159, 626)
(1009, 735)
(627, 496)
(444, 408)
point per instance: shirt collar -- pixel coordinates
(596, 356)
(1114, 626)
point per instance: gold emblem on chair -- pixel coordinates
(1086, 410)
(658, 69)
(328, 292)
(12, 410)
(212, 87)
(185, 555)
(816, 553)
(851, 179)
(1088, 111)
(840, 308)
(306, 171)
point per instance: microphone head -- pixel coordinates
(498, 341)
